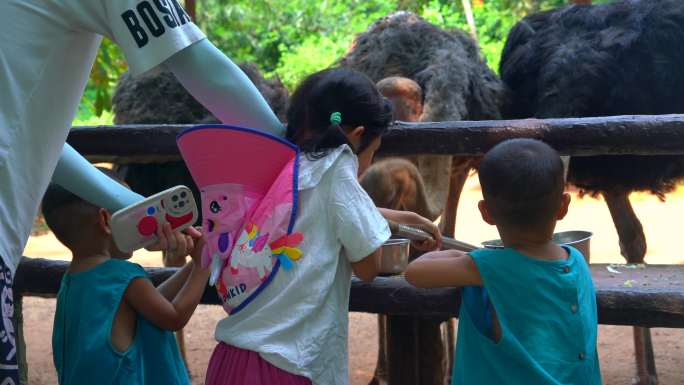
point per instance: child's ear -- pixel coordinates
(354, 136)
(486, 216)
(104, 217)
(565, 204)
(357, 132)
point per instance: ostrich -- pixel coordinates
(612, 59)
(158, 98)
(456, 85)
(137, 101)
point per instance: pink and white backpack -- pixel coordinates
(248, 184)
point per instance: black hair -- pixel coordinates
(342, 90)
(522, 182)
(66, 214)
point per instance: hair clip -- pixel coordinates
(336, 118)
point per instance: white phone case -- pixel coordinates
(136, 226)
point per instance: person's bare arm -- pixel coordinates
(367, 268)
(443, 269)
(413, 219)
(160, 306)
(178, 246)
(394, 215)
(170, 288)
(148, 302)
(222, 88)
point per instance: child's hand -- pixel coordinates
(417, 221)
(176, 245)
(422, 223)
(196, 252)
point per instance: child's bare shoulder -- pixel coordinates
(126, 269)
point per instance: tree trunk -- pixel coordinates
(191, 7)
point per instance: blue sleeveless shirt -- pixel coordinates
(547, 313)
(81, 340)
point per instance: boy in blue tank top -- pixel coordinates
(528, 312)
(112, 326)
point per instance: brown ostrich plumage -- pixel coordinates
(456, 82)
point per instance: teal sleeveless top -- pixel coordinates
(547, 313)
(81, 341)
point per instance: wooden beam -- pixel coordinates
(652, 296)
(617, 135)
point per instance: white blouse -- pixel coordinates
(299, 322)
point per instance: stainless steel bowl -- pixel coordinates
(577, 239)
(394, 259)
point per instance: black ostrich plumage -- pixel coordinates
(158, 98)
(621, 58)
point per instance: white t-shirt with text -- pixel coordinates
(299, 322)
(47, 49)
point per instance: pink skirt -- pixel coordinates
(234, 366)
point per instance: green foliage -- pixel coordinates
(290, 38)
(87, 112)
(315, 53)
(108, 66)
(293, 38)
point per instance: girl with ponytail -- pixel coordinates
(295, 331)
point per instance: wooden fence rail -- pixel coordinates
(615, 135)
(653, 297)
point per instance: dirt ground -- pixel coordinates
(661, 223)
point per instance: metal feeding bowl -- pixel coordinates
(577, 239)
(394, 259)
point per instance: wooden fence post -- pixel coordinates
(415, 351)
(18, 324)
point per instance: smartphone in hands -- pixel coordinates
(136, 226)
